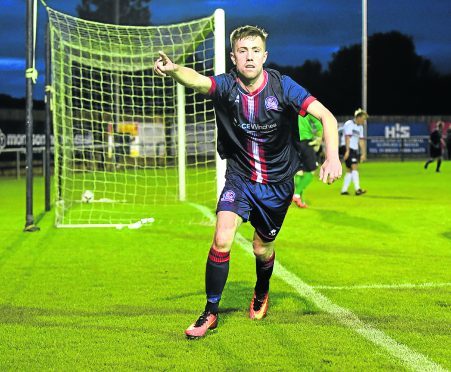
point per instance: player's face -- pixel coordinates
(360, 120)
(248, 56)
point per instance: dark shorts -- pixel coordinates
(435, 152)
(353, 158)
(341, 151)
(308, 156)
(265, 206)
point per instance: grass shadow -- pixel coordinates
(82, 319)
(361, 223)
(394, 197)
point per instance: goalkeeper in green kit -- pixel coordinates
(311, 135)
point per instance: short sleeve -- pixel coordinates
(296, 96)
(220, 86)
(212, 89)
(347, 128)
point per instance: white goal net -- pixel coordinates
(128, 142)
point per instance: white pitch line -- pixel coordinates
(384, 286)
(410, 358)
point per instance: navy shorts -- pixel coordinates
(264, 205)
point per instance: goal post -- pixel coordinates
(181, 122)
(128, 141)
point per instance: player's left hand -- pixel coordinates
(330, 170)
(362, 158)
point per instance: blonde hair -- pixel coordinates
(360, 112)
(247, 31)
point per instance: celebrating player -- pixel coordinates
(355, 141)
(255, 111)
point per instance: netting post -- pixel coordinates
(219, 69)
(48, 98)
(31, 14)
(181, 122)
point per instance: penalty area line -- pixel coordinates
(384, 286)
(407, 356)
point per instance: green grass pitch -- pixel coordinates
(106, 299)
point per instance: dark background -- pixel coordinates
(315, 42)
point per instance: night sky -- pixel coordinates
(298, 29)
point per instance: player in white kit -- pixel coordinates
(355, 151)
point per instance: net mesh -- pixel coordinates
(115, 121)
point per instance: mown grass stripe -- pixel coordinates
(410, 358)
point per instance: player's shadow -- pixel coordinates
(237, 296)
(236, 300)
(232, 291)
(447, 234)
(362, 223)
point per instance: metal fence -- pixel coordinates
(12, 161)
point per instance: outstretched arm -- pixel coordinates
(331, 168)
(184, 75)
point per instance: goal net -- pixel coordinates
(129, 143)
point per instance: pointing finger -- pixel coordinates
(163, 56)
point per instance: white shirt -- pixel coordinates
(355, 132)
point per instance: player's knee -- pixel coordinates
(223, 241)
(263, 250)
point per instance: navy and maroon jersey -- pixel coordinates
(258, 131)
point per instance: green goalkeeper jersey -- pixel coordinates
(309, 127)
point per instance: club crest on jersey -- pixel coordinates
(228, 196)
(271, 103)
